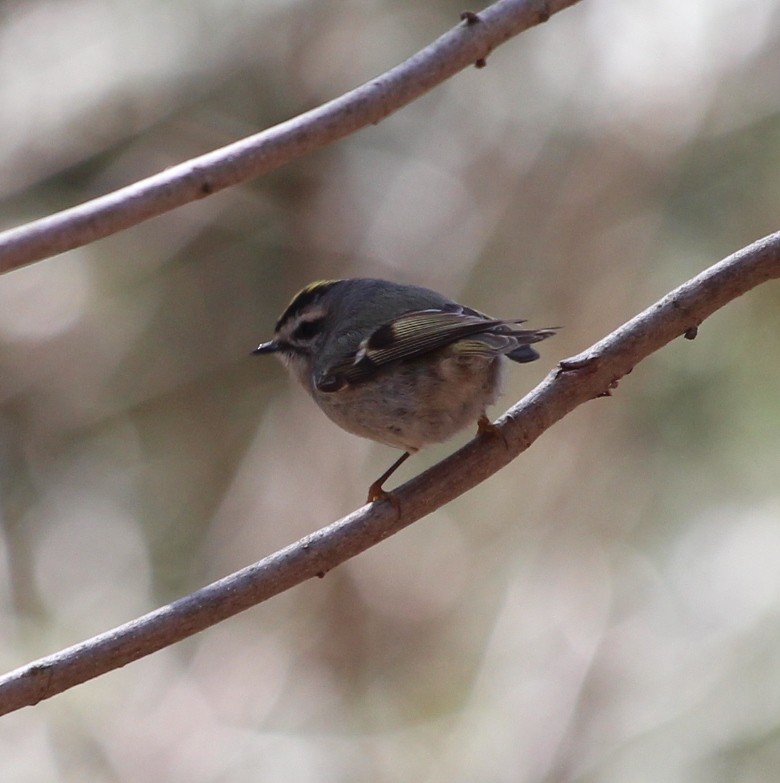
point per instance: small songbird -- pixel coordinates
(399, 364)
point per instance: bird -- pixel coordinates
(399, 364)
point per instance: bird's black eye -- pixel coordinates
(308, 330)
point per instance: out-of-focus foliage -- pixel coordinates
(606, 609)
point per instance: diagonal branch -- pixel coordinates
(468, 43)
(591, 374)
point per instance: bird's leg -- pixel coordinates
(375, 491)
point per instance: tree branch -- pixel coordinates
(467, 44)
(591, 374)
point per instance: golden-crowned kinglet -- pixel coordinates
(399, 364)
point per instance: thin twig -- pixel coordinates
(591, 374)
(467, 44)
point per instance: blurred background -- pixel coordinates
(605, 609)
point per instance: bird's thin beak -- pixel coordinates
(270, 347)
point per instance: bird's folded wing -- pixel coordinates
(407, 337)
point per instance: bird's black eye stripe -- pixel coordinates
(308, 330)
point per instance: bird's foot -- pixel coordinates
(487, 428)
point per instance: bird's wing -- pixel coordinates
(407, 337)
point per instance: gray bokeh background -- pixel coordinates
(605, 609)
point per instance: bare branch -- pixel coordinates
(591, 374)
(467, 44)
